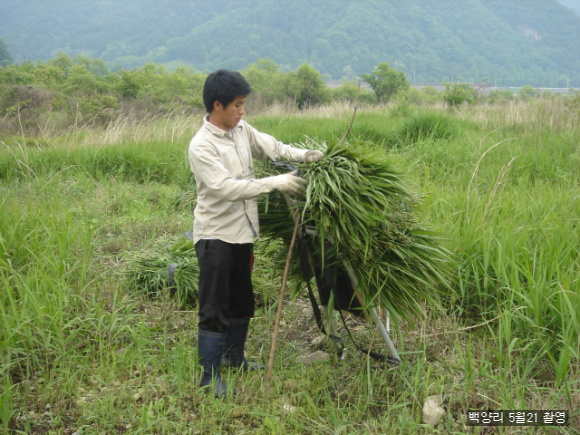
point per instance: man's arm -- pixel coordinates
(266, 147)
(206, 164)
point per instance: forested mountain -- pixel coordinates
(572, 4)
(503, 42)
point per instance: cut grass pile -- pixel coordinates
(365, 222)
(172, 269)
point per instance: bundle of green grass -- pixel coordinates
(365, 222)
(170, 268)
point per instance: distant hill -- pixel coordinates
(572, 4)
(507, 43)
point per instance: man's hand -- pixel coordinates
(288, 183)
(312, 156)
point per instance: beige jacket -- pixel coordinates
(227, 189)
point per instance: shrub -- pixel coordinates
(348, 92)
(427, 125)
(500, 97)
(458, 93)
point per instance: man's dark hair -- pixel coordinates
(224, 86)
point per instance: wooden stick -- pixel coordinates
(280, 299)
(353, 116)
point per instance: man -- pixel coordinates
(226, 219)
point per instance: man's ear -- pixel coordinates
(217, 106)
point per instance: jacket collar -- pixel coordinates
(218, 131)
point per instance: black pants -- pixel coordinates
(225, 283)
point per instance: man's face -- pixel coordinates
(228, 117)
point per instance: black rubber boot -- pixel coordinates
(210, 348)
(235, 343)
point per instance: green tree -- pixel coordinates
(62, 62)
(266, 79)
(500, 97)
(129, 85)
(17, 75)
(386, 81)
(96, 67)
(154, 83)
(81, 82)
(349, 91)
(457, 93)
(527, 93)
(306, 86)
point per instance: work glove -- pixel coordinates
(288, 183)
(312, 156)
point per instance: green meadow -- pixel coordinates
(84, 352)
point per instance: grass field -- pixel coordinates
(83, 353)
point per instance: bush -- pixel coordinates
(458, 93)
(307, 87)
(21, 106)
(500, 97)
(428, 125)
(348, 92)
(527, 93)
